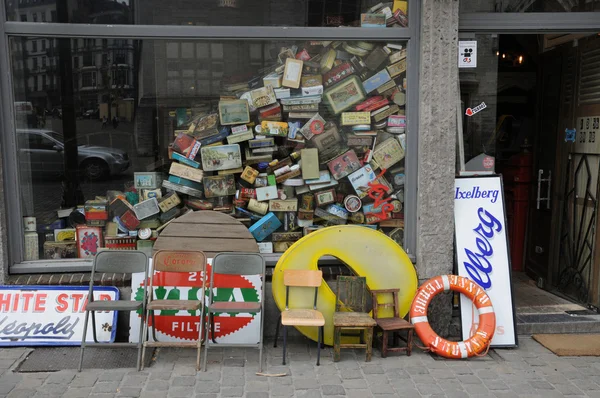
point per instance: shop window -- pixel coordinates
(267, 100)
(315, 13)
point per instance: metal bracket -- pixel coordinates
(539, 190)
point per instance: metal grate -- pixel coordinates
(53, 359)
(589, 83)
(569, 77)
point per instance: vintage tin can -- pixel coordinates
(169, 201)
(146, 209)
(265, 247)
(149, 180)
(283, 205)
(325, 197)
(357, 218)
(258, 207)
(352, 203)
(265, 227)
(32, 249)
(249, 175)
(286, 236)
(182, 189)
(144, 233)
(29, 224)
(307, 202)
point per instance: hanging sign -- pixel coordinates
(467, 54)
(482, 253)
(173, 325)
(52, 315)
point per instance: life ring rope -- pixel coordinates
(476, 345)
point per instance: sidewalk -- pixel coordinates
(530, 371)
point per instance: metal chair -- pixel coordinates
(120, 262)
(393, 324)
(243, 264)
(175, 261)
(301, 317)
(351, 313)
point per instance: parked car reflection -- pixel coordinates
(42, 152)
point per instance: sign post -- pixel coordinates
(482, 253)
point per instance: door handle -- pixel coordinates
(548, 188)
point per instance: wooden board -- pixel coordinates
(209, 231)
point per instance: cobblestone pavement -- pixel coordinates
(530, 371)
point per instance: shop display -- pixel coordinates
(298, 144)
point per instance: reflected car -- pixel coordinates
(42, 152)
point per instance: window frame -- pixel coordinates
(52, 30)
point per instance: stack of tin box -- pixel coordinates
(316, 139)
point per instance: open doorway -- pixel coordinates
(540, 125)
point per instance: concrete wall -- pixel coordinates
(438, 88)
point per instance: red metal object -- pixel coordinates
(517, 176)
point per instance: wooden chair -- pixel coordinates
(297, 316)
(235, 264)
(122, 262)
(351, 296)
(175, 261)
(394, 324)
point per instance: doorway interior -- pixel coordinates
(541, 126)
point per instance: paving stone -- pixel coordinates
(106, 387)
(417, 370)
(182, 381)
(22, 393)
(78, 392)
(305, 384)
(429, 389)
(355, 384)
(476, 389)
(359, 394)
(111, 376)
(541, 385)
(84, 380)
(257, 386)
(568, 390)
(157, 385)
(381, 389)
(282, 391)
(206, 387)
(372, 369)
(134, 381)
(309, 394)
(62, 377)
(495, 385)
(254, 394)
(182, 391)
(467, 379)
(129, 392)
(333, 390)
(206, 395)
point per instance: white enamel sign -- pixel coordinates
(482, 253)
(53, 315)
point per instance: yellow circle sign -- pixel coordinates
(366, 252)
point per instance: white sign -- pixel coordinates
(467, 54)
(182, 325)
(482, 253)
(52, 315)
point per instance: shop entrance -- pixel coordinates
(540, 124)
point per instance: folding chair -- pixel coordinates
(120, 262)
(175, 261)
(300, 316)
(243, 264)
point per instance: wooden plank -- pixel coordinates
(237, 231)
(306, 278)
(207, 244)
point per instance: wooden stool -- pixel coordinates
(351, 296)
(394, 325)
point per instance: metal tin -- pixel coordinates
(352, 203)
(258, 207)
(144, 233)
(32, 249)
(182, 189)
(338, 211)
(29, 224)
(169, 201)
(185, 182)
(146, 209)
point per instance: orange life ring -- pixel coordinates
(476, 344)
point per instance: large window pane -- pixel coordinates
(529, 6)
(89, 127)
(214, 12)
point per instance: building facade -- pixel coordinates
(160, 66)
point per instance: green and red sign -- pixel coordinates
(174, 325)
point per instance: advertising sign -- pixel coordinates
(482, 253)
(52, 315)
(183, 325)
